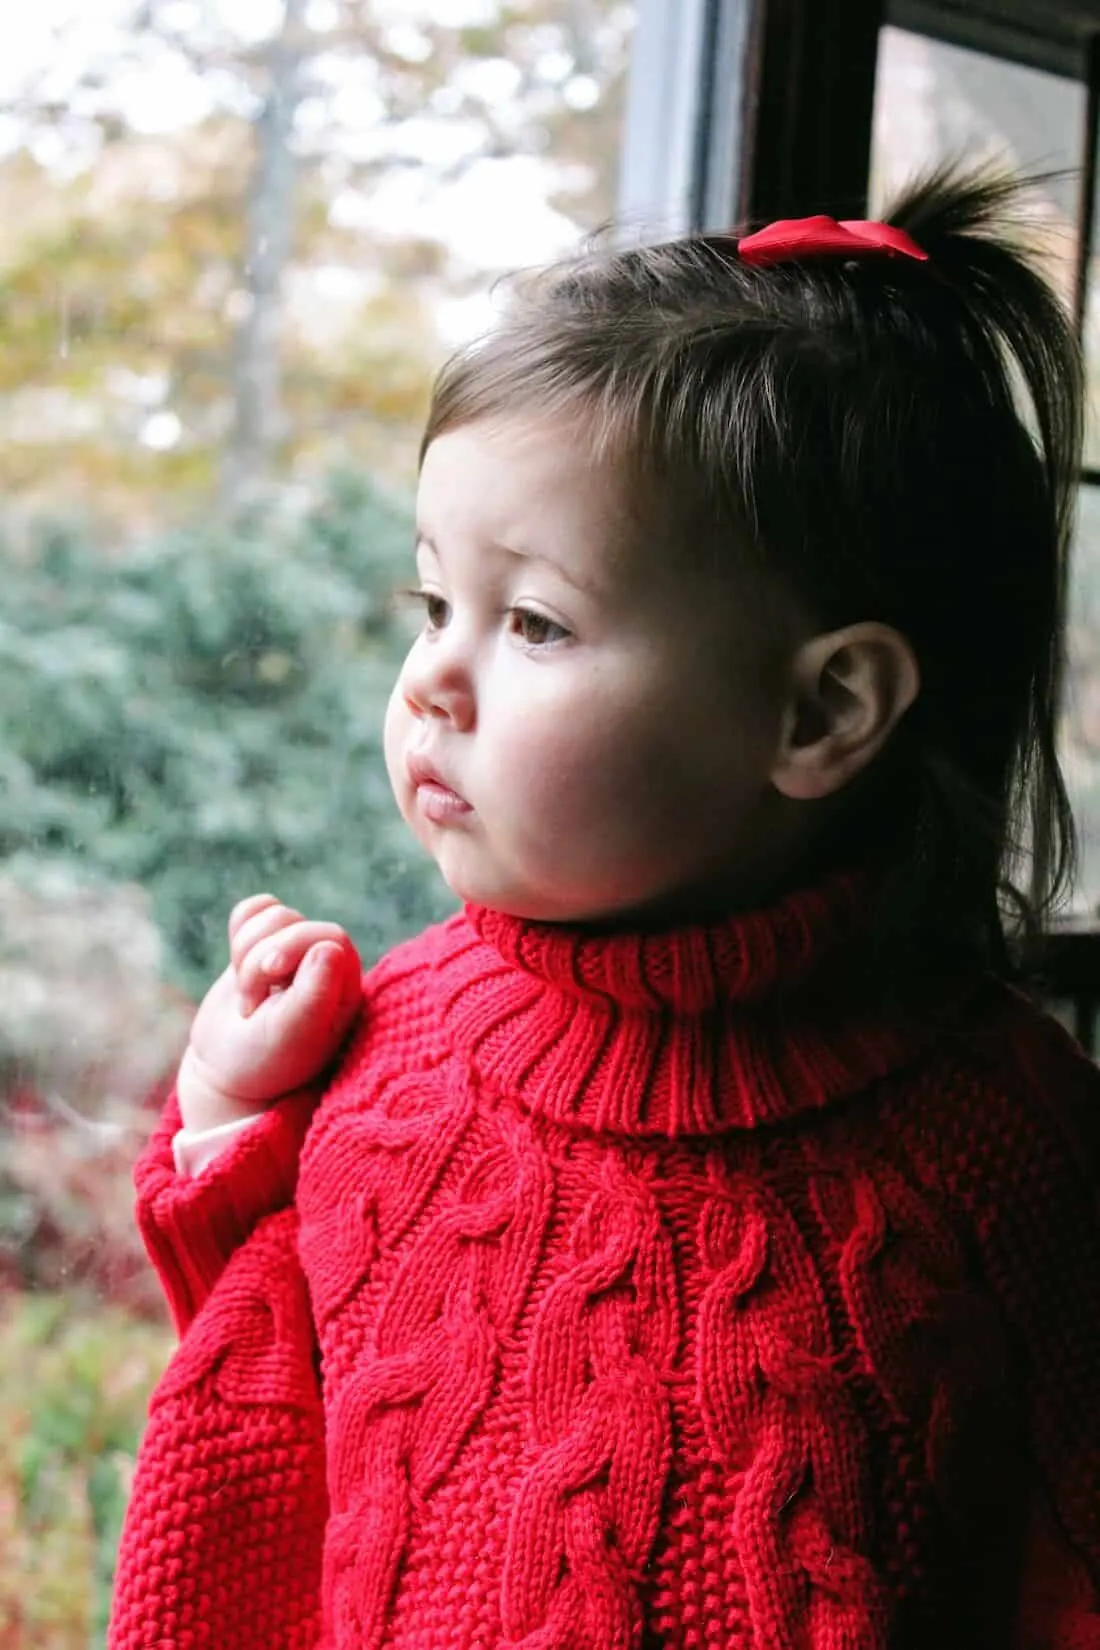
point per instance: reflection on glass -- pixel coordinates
(237, 238)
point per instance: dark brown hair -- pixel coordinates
(901, 441)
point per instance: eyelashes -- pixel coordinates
(434, 608)
(534, 629)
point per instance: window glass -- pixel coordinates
(1081, 730)
(1082, 749)
(237, 238)
(934, 102)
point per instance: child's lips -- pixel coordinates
(438, 801)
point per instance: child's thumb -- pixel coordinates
(309, 1022)
(319, 967)
(327, 977)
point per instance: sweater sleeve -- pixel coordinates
(1036, 1214)
(191, 1227)
(223, 1539)
(193, 1150)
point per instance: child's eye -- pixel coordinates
(436, 610)
(535, 629)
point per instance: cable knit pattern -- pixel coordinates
(422, 1381)
(778, 1419)
(603, 1347)
(655, 1302)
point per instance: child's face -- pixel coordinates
(585, 726)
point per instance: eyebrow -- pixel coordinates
(585, 587)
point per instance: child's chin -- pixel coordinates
(523, 908)
(478, 885)
(484, 892)
(467, 890)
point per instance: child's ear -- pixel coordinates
(849, 690)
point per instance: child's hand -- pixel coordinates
(274, 1020)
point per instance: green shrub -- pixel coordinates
(202, 716)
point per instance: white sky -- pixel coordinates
(495, 218)
(33, 35)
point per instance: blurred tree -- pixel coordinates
(257, 366)
(236, 289)
(116, 337)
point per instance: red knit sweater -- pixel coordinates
(621, 1295)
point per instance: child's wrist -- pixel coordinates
(203, 1103)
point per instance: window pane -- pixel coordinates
(935, 102)
(233, 256)
(1091, 342)
(1081, 730)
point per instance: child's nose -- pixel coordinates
(438, 684)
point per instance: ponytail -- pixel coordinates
(983, 248)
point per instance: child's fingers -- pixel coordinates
(257, 929)
(277, 959)
(319, 997)
(283, 951)
(246, 908)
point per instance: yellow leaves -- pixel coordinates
(114, 308)
(133, 272)
(103, 298)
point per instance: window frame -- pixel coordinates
(681, 144)
(748, 110)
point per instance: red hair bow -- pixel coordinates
(789, 239)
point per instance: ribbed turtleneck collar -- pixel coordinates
(690, 1032)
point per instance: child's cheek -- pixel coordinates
(396, 730)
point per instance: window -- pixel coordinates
(1082, 742)
(238, 237)
(936, 101)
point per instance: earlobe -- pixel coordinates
(849, 690)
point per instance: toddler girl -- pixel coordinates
(696, 1243)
